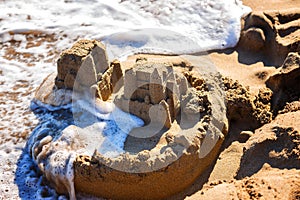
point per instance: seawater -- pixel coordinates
(158, 26)
(95, 130)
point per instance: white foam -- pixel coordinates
(132, 25)
(174, 27)
(54, 147)
(105, 131)
(36, 103)
(99, 129)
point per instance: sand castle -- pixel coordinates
(276, 144)
(86, 64)
(161, 95)
(174, 99)
(185, 125)
(152, 91)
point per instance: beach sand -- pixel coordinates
(254, 163)
(270, 180)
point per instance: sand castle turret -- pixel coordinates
(155, 87)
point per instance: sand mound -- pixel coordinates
(268, 164)
(267, 183)
(272, 33)
(285, 83)
(276, 143)
(242, 107)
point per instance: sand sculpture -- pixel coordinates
(153, 92)
(79, 68)
(185, 123)
(161, 165)
(284, 82)
(86, 55)
(272, 33)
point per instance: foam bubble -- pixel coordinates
(56, 142)
(131, 25)
(30, 181)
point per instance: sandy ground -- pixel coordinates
(262, 5)
(227, 179)
(269, 180)
(244, 66)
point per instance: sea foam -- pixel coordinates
(131, 26)
(65, 132)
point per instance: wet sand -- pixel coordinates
(229, 177)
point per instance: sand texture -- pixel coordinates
(243, 144)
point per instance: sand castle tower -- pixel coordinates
(152, 91)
